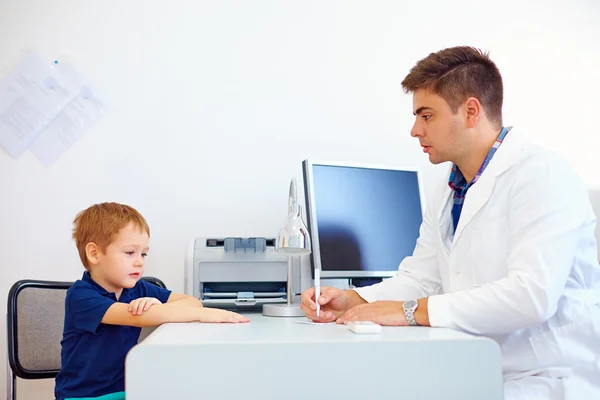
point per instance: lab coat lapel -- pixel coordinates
(445, 217)
(479, 194)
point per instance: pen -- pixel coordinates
(317, 288)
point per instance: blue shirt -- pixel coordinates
(93, 354)
(459, 184)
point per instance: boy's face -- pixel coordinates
(121, 265)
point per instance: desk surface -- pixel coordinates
(285, 330)
(275, 357)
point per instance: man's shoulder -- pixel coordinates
(548, 175)
(543, 162)
(524, 157)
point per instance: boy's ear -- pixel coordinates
(92, 253)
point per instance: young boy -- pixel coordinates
(105, 310)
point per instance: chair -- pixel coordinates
(34, 320)
(155, 281)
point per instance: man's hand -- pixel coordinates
(334, 302)
(138, 306)
(388, 313)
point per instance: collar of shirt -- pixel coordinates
(124, 294)
(457, 181)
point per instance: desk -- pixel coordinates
(279, 358)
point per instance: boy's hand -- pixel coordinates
(216, 315)
(138, 306)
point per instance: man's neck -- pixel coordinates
(470, 164)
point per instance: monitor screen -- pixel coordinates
(362, 220)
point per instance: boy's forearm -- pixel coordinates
(188, 301)
(118, 314)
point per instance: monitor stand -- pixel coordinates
(362, 282)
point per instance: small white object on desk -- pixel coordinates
(364, 327)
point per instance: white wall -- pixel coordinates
(212, 106)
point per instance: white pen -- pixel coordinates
(317, 289)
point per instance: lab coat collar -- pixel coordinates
(506, 156)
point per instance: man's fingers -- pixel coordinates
(306, 299)
(324, 316)
(351, 313)
(308, 306)
(311, 313)
(330, 292)
(305, 308)
(357, 317)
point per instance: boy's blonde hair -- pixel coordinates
(100, 222)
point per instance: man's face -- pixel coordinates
(441, 133)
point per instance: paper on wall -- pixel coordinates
(72, 123)
(31, 96)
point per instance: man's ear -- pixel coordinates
(92, 252)
(473, 111)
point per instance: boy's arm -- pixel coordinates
(118, 314)
(184, 300)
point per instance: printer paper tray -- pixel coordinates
(233, 296)
(241, 303)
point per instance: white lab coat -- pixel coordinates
(521, 269)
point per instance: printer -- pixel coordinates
(238, 273)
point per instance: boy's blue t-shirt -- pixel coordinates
(93, 354)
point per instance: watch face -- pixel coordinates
(410, 304)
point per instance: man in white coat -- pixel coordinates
(506, 247)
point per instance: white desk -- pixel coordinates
(278, 358)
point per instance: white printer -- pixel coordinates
(237, 273)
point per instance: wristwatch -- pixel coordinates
(409, 308)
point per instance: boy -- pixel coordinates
(105, 310)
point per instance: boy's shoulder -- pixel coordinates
(80, 287)
(84, 287)
(87, 289)
(80, 284)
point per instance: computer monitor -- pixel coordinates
(363, 220)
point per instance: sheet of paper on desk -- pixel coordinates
(309, 322)
(71, 124)
(31, 96)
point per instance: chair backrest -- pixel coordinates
(155, 281)
(35, 313)
(35, 318)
